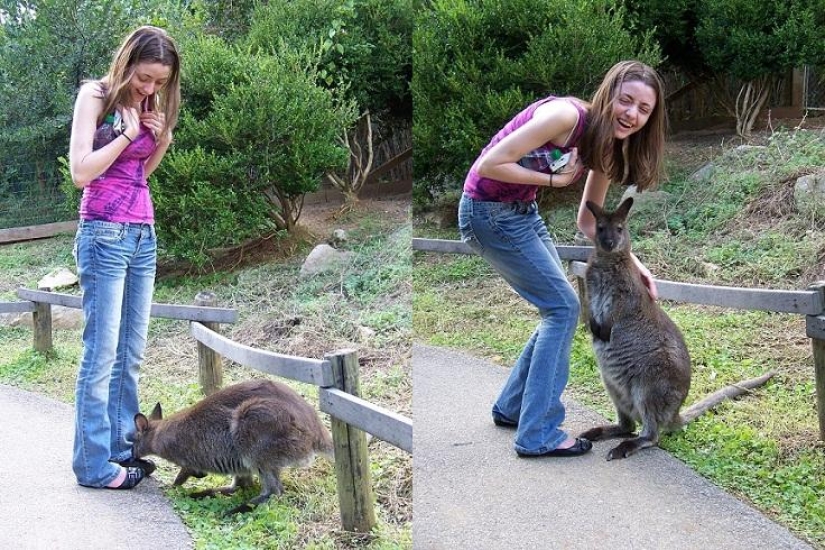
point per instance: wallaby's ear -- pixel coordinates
(594, 208)
(141, 423)
(157, 413)
(624, 208)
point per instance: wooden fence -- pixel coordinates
(810, 302)
(336, 377)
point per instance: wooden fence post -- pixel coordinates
(352, 467)
(210, 364)
(42, 324)
(816, 332)
(584, 316)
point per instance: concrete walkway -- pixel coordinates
(472, 492)
(43, 508)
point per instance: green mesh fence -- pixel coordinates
(30, 194)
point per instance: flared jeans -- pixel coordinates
(116, 265)
(514, 240)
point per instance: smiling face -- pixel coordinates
(147, 79)
(632, 106)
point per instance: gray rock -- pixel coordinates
(704, 173)
(809, 194)
(322, 258)
(57, 278)
(62, 318)
(339, 237)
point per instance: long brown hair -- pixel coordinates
(144, 45)
(636, 160)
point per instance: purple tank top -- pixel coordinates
(121, 193)
(486, 189)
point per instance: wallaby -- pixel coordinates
(257, 426)
(642, 356)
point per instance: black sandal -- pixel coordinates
(143, 463)
(580, 447)
(133, 477)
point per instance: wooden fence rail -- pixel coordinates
(336, 377)
(810, 302)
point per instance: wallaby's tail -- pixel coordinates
(728, 392)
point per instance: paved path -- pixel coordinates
(43, 508)
(472, 492)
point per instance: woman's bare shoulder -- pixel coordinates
(92, 89)
(563, 110)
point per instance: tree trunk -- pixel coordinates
(361, 154)
(749, 103)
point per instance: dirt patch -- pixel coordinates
(321, 219)
(316, 225)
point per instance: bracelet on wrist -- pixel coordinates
(127, 137)
(551, 179)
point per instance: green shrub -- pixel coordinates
(256, 136)
(364, 47)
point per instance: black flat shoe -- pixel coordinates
(133, 477)
(504, 423)
(143, 463)
(580, 447)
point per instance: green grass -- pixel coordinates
(24, 264)
(736, 229)
(280, 312)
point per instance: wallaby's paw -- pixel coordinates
(616, 453)
(211, 492)
(624, 449)
(242, 509)
(593, 434)
(185, 474)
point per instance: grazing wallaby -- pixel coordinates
(258, 426)
(642, 356)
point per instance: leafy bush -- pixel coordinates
(364, 47)
(196, 210)
(478, 63)
(257, 134)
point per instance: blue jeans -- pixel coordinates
(116, 266)
(512, 237)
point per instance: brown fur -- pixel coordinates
(642, 356)
(255, 427)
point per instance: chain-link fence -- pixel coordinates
(814, 87)
(30, 194)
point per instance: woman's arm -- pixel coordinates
(156, 122)
(595, 190)
(552, 121)
(85, 164)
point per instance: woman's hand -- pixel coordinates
(570, 172)
(131, 122)
(647, 278)
(155, 121)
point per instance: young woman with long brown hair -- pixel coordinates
(121, 129)
(618, 137)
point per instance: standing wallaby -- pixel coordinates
(642, 356)
(258, 426)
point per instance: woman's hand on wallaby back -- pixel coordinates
(647, 278)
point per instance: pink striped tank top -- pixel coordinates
(486, 189)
